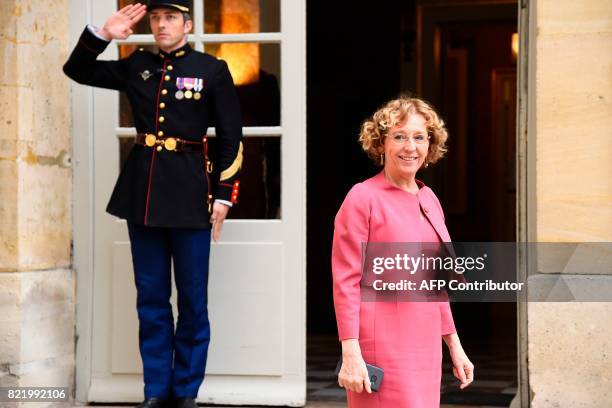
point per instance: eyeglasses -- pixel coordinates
(400, 139)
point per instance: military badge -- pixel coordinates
(146, 74)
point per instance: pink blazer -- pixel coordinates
(376, 211)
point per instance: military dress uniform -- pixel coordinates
(165, 191)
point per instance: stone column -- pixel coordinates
(37, 285)
(570, 344)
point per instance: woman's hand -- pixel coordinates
(353, 373)
(463, 369)
(119, 25)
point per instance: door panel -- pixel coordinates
(241, 295)
(257, 272)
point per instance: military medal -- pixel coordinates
(199, 84)
(179, 84)
(189, 83)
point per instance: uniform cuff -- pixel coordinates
(228, 192)
(92, 41)
(94, 31)
(224, 202)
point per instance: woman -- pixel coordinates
(403, 338)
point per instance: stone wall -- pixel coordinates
(37, 286)
(569, 350)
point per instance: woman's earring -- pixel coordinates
(382, 159)
(426, 165)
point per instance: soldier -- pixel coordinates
(165, 190)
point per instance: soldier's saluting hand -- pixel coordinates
(119, 24)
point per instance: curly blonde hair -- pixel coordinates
(395, 112)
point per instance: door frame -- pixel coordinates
(293, 156)
(526, 180)
(83, 209)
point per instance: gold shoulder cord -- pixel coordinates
(233, 169)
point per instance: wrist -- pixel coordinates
(350, 348)
(452, 342)
(103, 32)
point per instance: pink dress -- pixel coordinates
(403, 338)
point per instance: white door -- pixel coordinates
(257, 271)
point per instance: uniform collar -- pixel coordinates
(178, 53)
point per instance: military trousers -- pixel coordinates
(174, 360)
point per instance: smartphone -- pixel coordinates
(375, 373)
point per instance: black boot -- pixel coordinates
(185, 403)
(154, 403)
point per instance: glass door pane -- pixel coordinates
(241, 16)
(256, 72)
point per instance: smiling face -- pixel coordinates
(169, 28)
(405, 147)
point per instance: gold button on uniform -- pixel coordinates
(164, 92)
(167, 77)
(170, 143)
(162, 105)
(160, 133)
(159, 148)
(150, 140)
(169, 67)
(161, 119)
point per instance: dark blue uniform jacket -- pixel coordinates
(161, 187)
